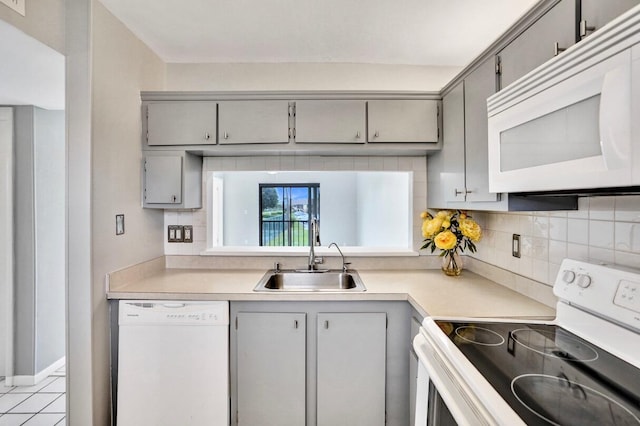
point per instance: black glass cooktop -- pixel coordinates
(550, 376)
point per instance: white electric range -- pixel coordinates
(583, 368)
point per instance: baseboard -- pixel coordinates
(37, 378)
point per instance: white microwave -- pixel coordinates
(572, 123)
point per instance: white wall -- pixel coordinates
(6, 244)
(307, 76)
(51, 235)
(122, 66)
(44, 21)
(383, 211)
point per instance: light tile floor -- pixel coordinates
(41, 405)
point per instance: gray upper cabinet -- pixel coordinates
(271, 369)
(249, 122)
(163, 179)
(330, 121)
(180, 123)
(596, 13)
(537, 44)
(172, 180)
(451, 171)
(402, 121)
(458, 175)
(478, 86)
(351, 369)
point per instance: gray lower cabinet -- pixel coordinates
(252, 122)
(402, 121)
(171, 179)
(330, 121)
(351, 369)
(536, 45)
(180, 123)
(327, 363)
(271, 360)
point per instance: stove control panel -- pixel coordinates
(628, 295)
(610, 291)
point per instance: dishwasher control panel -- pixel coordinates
(157, 312)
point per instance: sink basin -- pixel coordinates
(327, 280)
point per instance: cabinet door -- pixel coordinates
(535, 46)
(478, 86)
(271, 362)
(181, 123)
(453, 153)
(597, 13)
(402, 121)
(327, 121)
(351, 369)
(163, 179)
(253, 122)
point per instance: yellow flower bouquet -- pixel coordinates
(450, 231)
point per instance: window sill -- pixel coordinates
(304, 251)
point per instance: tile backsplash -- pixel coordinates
(603, 229)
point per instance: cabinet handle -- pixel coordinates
(226, 135)
(463, 192)
(295, 324)
(207, 136)
(357, 135)
(376, 134)
(326, 325)
(173, 198)
(585, 29)
(557, 49)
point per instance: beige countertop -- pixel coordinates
(429, 291)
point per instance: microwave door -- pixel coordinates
(574, 134)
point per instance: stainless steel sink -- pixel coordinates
(303, 280)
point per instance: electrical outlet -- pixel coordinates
(175, 233)
(188, 233)
(515, 245)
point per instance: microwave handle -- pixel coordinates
(615, 117)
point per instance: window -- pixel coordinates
(285, 212)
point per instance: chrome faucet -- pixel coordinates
(315, 241)
(344, 264)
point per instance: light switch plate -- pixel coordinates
(188, 233)
(175, 233)
(119, 224)
(17, 5)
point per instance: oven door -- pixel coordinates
(450, 390)
(431, 409)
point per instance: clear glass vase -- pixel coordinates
(452, 264)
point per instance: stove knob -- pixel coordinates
(568, 276)
(583, 280)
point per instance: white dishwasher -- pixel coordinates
(173, 363)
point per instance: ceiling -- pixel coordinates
(407, 32)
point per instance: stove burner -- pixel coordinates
(558, 345)
(560, 401)
(479, 336)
